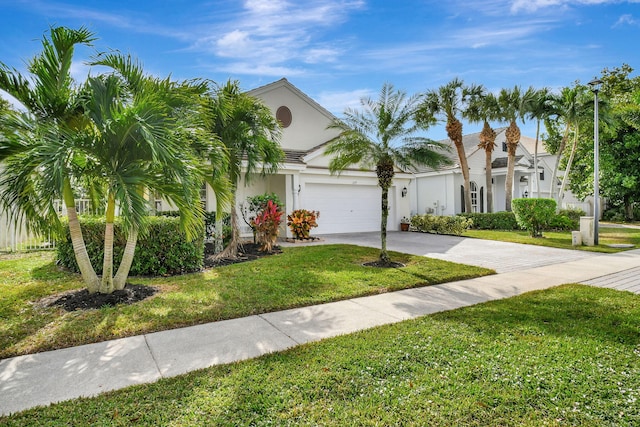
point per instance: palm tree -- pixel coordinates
(568, 108)
(540, 109)
(448, 101)
(250, 134)
(584, 114)
(514, 105)
(137, 147)
(383, 135)
(117, 135)
(43, 154)
(483, 107)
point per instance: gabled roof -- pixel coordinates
(283, 82)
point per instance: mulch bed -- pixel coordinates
(83, 300)
(247, 252)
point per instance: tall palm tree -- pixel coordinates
(514, 105)
(540, 109)
(449, 101)
(383, 135)
(483, 107)
(44, 153)
(583, 115)
(250, 134)
(568, 109)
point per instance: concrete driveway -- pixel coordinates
(500, 256)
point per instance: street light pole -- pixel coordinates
(595, 88)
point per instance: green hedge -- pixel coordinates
(455, 225)
(493, 221)
(163, 250)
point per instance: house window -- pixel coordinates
(474, 196)
(541, 174)
(157, 198)
(504, 146)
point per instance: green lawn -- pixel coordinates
(563, 356)
(607, 235)
(299, 276)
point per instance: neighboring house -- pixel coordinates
(440, 191)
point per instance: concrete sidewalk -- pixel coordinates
(43, 378)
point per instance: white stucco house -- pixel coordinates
(349, 202)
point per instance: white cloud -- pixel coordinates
(626, 19)
(278, 32)
(534, 5)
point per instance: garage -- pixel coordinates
(343, 208)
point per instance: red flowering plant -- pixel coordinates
(301, 221)
(267, 224)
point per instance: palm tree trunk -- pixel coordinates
(567, 170)
(89, 275)
(106, 287)
(454, 131)
(120, 279)
(508, 186)
(384, 255)
(488, 178)
(563, 144)
(513, 137)
(231, 251)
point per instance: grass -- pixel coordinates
(299, 276)
(562, 239)
(563, 356)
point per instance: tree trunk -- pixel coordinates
(106, 287)
(89, 275)
(563, 144)
(454, 131)
(488, 183)
(385, 174)
(487, 143)
(120, 279)
(567, 170)
(513, 137)
(231, 251)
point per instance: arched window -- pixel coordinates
(473, 187)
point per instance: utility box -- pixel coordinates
(587, 230)
(576, 238)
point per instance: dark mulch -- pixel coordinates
(83, 300)
(247, 252)
(380, 264)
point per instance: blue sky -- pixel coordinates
(338, 51)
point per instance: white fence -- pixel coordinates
(15, 237)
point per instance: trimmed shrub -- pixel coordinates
(162, 250)
(493, 221)
(562, 222)
(534, 215)
(427, 223)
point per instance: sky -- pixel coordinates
(338, 51)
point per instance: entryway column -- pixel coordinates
(295, 190)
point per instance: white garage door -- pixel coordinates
(343, 208)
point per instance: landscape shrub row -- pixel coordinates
(427, 223)
(162, 250)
